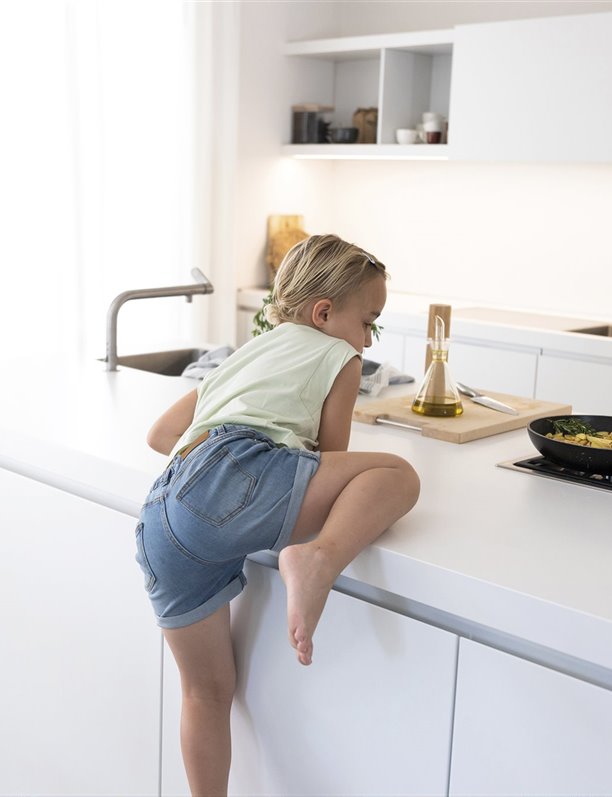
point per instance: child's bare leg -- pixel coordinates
(352, 499)
(205, 658)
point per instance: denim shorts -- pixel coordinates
(234, 494)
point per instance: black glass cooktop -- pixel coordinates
(544, 467)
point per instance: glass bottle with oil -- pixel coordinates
(437, 394)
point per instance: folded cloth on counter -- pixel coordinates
(375, 376)
(207, 362)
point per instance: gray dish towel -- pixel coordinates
(374, 376)
(207, 362)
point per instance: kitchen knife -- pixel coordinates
(486, 401)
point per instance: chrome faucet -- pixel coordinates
(202, 285)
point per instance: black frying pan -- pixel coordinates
(594, 460)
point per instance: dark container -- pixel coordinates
(308, 127)
(343, 135)
(593, 460)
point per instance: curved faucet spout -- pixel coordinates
(201, 286)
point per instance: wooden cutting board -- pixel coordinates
(476, 421)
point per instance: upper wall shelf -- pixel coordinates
(521, 89)
(429, 42)
(423, 152)
(401, 74)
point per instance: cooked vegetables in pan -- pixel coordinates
(570, 430)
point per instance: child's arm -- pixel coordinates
(170, 426)
(337, 412)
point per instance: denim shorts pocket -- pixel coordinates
(218, 490)
(142, 560)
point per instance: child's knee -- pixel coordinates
(219, 690)
(409, 484)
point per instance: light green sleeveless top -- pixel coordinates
(276, 383)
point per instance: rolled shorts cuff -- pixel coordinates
(308, 463)
(207, 608)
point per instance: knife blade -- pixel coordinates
(494, 404)
(486, 401)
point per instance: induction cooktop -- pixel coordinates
(540, 466)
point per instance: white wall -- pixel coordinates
(95, 163)
(384, 16)
(131, 114)
(37, 237)
(267, 184)
(515, 235)
(524, 235)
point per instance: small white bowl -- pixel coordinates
(406, 135)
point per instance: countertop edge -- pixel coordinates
(88, 439)
(557, 636)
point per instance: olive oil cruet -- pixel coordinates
(437, 394)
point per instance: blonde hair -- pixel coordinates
(321, 267)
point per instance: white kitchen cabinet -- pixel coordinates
(504, 369)
(521, 90)
(533, 90)
(401, 74)
(389, 349)
(244, 326)
(521, 728)
(415, 347)
(81, 655)
(586, 384)
(371, 716)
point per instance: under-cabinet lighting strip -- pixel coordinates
(366, 152)
(372, 157)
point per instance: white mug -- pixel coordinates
(432, 126)
(405, 135)
(430, 116)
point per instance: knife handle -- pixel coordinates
(398, 423)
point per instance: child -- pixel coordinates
(259, 460)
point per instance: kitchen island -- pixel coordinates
(468, 651)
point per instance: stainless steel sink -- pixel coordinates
(603, 330)
(167, 363)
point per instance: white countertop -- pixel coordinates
(509, 326)
(525, 557)
(520, 327)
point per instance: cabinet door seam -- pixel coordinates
(452, 718)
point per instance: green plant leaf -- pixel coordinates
(261, 323)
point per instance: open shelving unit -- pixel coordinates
(401, 74)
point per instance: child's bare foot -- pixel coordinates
(304, 571)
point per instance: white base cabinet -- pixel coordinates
(585, 384)
(522, 729)
(371, 716)
(506, 370)
(389, 349)
(485, 367)
(81, 655)
(244, 326)
(497, 363)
